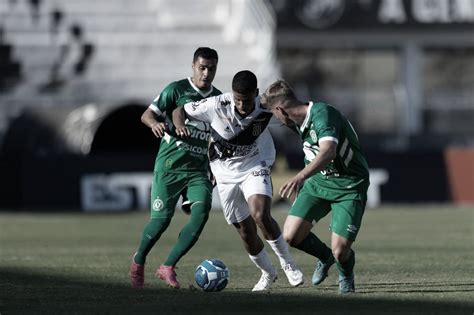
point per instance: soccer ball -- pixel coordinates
(212, 275)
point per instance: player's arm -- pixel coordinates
(327, 153)
(203, 110)
(179, 119)
(154, 121)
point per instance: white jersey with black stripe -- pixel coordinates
(238, 144)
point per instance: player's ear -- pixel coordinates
(256, 92)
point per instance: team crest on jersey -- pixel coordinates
(257, 129)
(313, 136)
(157, 204)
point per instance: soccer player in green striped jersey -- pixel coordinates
(335, 178)
(181, 168)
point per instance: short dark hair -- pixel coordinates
(206, 53)
(244, 82)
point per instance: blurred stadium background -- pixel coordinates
(75, 77)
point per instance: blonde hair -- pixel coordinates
(277, 91)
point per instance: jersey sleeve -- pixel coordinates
(203, 110)
(327, 124)
(164, 100)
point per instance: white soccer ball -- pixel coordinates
(212, 275)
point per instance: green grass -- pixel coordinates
(416, 260)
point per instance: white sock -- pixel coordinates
(262, 261)
(280, 247)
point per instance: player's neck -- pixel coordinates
(299, 113)
(201, 88)
(245, 114)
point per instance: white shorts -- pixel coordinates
(234, 196)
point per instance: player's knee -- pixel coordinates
(341, 253)
(261, 218)
(290, 238)
(200, 208)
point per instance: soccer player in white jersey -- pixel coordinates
(241, 154)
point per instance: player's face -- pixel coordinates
(245, 103)
(204, 71)
(281, 114)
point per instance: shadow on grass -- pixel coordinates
(29, 291)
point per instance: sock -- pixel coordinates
(262, 261)
(346, 268)
(315, 247)
(151, 234)
(190, 232)
(280, 247)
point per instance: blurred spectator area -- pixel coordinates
(369, 86)
(402, 71)
(111, 52)
(403, 84)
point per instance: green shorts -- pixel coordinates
(314, 203)
(168, 187)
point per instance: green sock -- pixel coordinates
(346, 268)
(190, 233)
(315, 247)
(151, 234)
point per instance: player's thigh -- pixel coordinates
(165, 192)
(199, 188)
(234, 205)
(347, 216)
(309, 206)
(258, 182)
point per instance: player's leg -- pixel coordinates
(345, 225)
(236, 212)
(253, 244)
(258, 191)
(297, 230)
(199, 193)
(164, 195)
(345, 261)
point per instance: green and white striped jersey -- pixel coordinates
(177, 154)
(349, 170)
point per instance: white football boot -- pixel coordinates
(294, 275)
(266, 281)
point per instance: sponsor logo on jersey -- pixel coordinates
(313, 136)
(157, 204)
(225, 103)
(262, 172)
(330, 172)
(200, 135)
(191, 148)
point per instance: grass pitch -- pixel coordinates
(410, 260)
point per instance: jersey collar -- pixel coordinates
(306, 119)
(204, 94)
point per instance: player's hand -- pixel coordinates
(292, 186)
(158, 129)
(183, 132)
